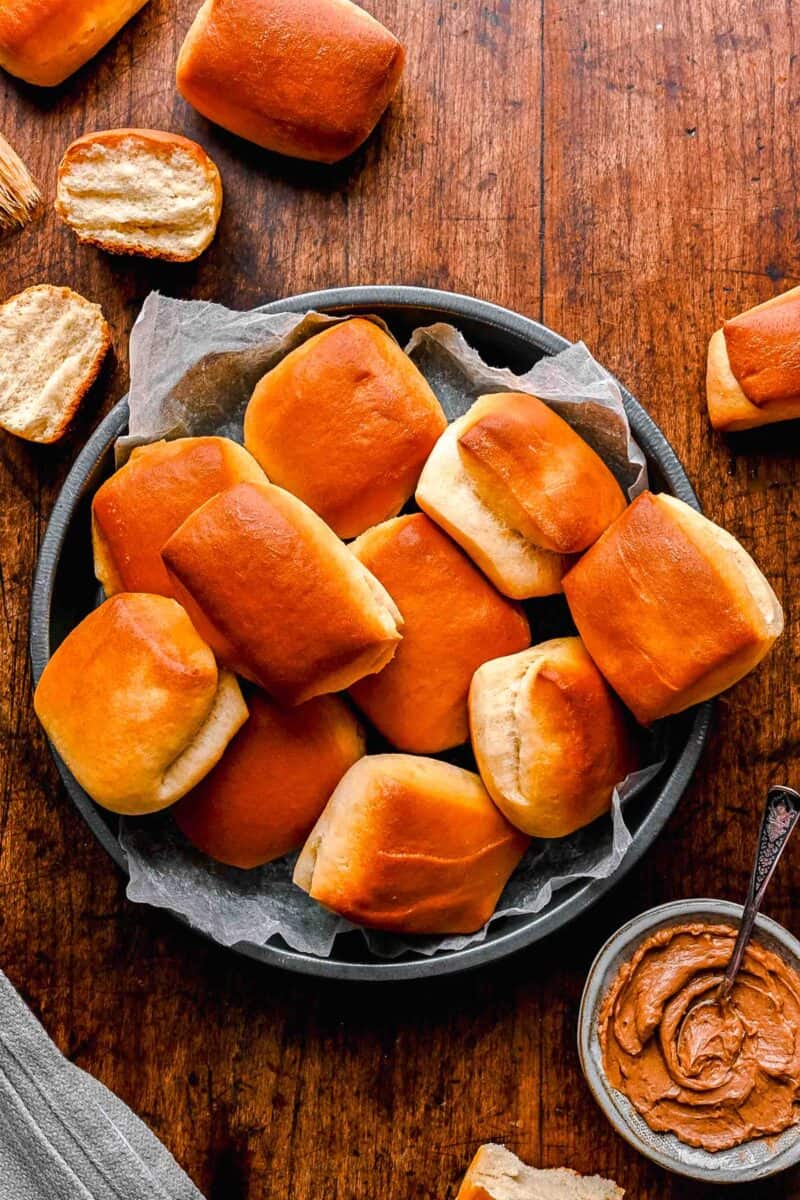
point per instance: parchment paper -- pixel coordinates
(193, 367)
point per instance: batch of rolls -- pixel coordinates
(283, 563)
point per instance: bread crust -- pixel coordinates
(263, 797)
(670, 607)
(539, 475)
(139, 507)
(345, 422)
(729, 409)
(451, 498)
(45, 41)
(284, 602)
(764, 349)
(72, 402)
(410, 845)
(453, 620)
(157, 142)
(323, 74)
(550, 739)
(133, 702)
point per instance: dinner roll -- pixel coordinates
(411, 845)
(550, 739)
(345, 422)
(133, 702)
(283, 601)
(497, 1174)
(52, 345)
(753, 374)
(671, 608)
(307, 78)
(140, 191)
(142, 504)
(453, 620)
(273, 781)
(514, 485)
(44, 41)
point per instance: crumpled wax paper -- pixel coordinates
(194, 365)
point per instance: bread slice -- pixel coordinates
(52, 344)
(140, 191)
(497, 1174)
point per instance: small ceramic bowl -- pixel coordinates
(754, 1160)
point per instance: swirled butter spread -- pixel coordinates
(715, 1073)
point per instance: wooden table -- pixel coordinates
(627, 172)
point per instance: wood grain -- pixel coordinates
(628, 172)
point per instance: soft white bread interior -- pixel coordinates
(140, 191)
(496, 1173)
(451, 498)
(52, 345)
(550, 738)
(134, 703)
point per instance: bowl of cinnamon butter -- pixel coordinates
(706, 1088)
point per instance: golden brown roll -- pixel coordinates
(497, 1174)
(345, 422)
(671, 608)
(139, 508)
(133, 702)
(753, 374)
(551, 740)
(520, 491)
(453, 620)
(283, 601)
(45, 41)
(264, 795)
(307, 78)
(411, 845)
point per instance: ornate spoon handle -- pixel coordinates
(781, 814)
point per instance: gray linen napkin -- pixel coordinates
(63, 1135)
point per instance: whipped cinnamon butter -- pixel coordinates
(715, 1074)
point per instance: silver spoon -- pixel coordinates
(781, 814)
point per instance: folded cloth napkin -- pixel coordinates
(63, 1135)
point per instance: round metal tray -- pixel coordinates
(65, 591)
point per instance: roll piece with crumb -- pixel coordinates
(52, 345)
(671, 607)
(753, 372)
(134, 703)
(140, 191)
(495, 1173)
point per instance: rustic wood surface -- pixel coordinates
(625, 171)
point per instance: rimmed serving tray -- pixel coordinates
(65, 591)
